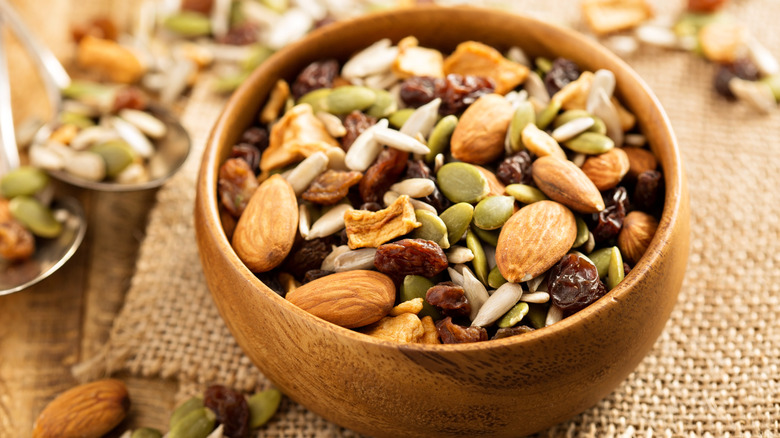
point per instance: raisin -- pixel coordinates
(505, 332)
(101, 27)
(451, 333)
(418, 90)
(456, 91)
(16, 242)
(742, 69)
(271, 279)
(649, 185)
(382, 174)
(707, 6)
(131, 98)
(229, 222)
(418, 169)
(371, 206)
(355, 123)
(331, 186)
(607, 223)
(563, 71)
(516, 169)
(249, 153)
(241, 35)
(236, 185)
(573, 284)
(318, 74)
(450, 299)
(314, 274)
(201, 6)
(307, 255)
(410, 257)
(256, 136)
(626, 268)
(231, 409)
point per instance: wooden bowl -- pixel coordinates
(508, 387)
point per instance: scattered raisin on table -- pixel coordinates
(307, 255)
(505, 332)
(318, 74)
(456, 91)
(236, 185)
(516, 169)
(451, 333)
(16, 241)
(573, 284)
(649, 185)
(231, 409)
(742, 69)
(382, 174)
(355, 123)
(331, 187)
(608, 222)
(449, 298)
(410, 257)
(562, 72)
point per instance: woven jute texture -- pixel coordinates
(715, 371)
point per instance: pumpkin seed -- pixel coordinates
(524, 115)
(582, 233)
(616, 272)
(525, 193)
(146, 432)
(35, 216)
(546, 116)
(495, 279)
(590, 143)
(433, 228)
(537, 313)
(488, 236)
(459, 254)
(480, 261)
(439, 140)
(774, 85)
(196, 424)
(384, 104)
(398, 118)
(188, 24)
(498, 304)
(416, 286)
(258, 53)
(79, 120)
(462, 182)
(262, 406)
(491, 213)
(543, 64)
(183, 409)
(344, 100)
(514, 315)
(25, 180)
(457, 219)
(116, 153)
(601, 259)
(318, 99)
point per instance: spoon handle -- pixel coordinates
(10, 153)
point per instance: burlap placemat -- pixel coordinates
(715, 371)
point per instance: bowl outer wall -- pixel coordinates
(509, 387)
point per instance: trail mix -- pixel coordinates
(417, 196)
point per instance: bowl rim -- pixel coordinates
(674, 197)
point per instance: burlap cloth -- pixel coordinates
(715, 371)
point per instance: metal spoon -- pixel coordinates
(50, 254)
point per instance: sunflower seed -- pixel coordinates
(635, 140)
(86, 165)
(399, 140)
(657, 36)
(336, 158)
(176, 79)
(329, 223)
(475, 292)
(356, 259)
(292, 25)
(89, 136)
(604, 109)
(536, 297)
(455, 276)
(332, 123)
(374, 59)
(459, 254)
(306, 171)
(220, 17)
(438, 162)
(414, 187)
(365, 148)
(381, 81)
(256, 12)
(219, 432)
(304, 220)
(572, 129)
(517, 55)
(534, 283)
(766, 62)
(536, 89)
(45, 157)
(602, 80)
(389, 197)
(145, 122)
(419, 205)
(554, 314)
(757, 94)
(498, 304)
(422, 120)
(133, 136)
(134, 173)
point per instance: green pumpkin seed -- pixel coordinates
(616, 271)
(229, 83)
(543, 64)
(590, 143)
(116, 153)
(582, 233)
(495, 279)
(537, 314)
(263, 406)
(525, 193)
(514, 315)
(318, 99)
(384, 105)
(146, 432)
(35, 216)
(492, 212)
(416, 286)
(462, 182)
(480, 260)
(774, 85)
(257, 55)
(81, 90)
(344, 100)
(188, 24)
(277, 5)
(488, 236)
(433, 228)
(439, 139)
(690, 23)
(183, 409)
(24, 181)
(398, 118)
(457, 219)
(567, 116)
(524, 115)
(546, 116)
(79, 120)
(199, 423)
(601, 259)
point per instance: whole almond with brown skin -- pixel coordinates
(608, 169)
(563, 181)
(534, 239)
(479, 136)
(349, 299)
(635, 236)
(86, 411)
(639, 160)
(266, 231)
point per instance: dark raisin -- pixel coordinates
(236, 185)
(418, 169)
(451, 333)
(241, 35)
(505, 332)
(562, 72)
(382, 174)
(516, 169)
(648, 191)
(318, 74)
(355, 123)
(231, 409)
(456, 91)
(573, 284)
(255, 136)
(371, 206)
(131, 98)
(331, 186)
(410, 257)
(271, 279)
(450, 299)
(607, 223)
(249, 153)
(626, 268)
(418, 90)
(314, 274)
(742, 69)
(307, 255)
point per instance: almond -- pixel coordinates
(566, 183)
(608, 169)
(639, 160)
(266, 231)
(88, 411)
(635, 235)
(479, 136)
(348, 299)
(534, 239)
